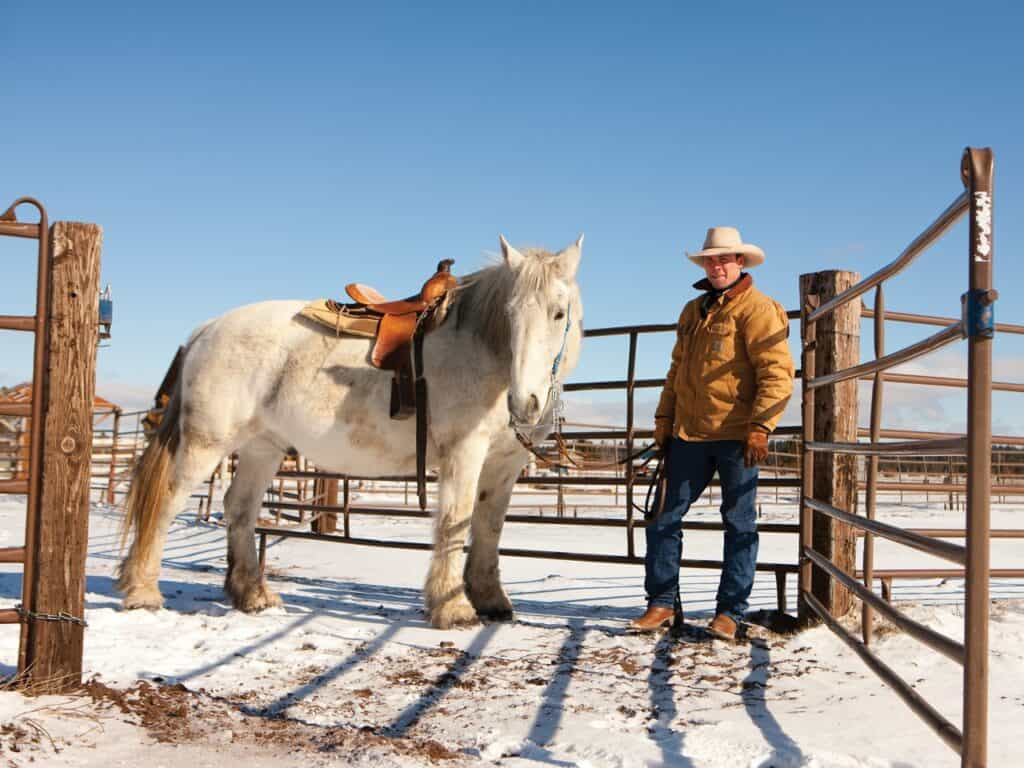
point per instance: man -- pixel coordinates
(730, 379)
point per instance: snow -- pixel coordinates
(350, 655)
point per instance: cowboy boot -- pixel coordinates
(722, 627)
(654, 618)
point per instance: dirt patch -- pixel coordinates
(15, 738)
(174, 714)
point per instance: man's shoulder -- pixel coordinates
(761, 299)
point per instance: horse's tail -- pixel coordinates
(151, 480)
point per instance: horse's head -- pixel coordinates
(545, 317)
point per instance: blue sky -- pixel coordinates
(239, 152)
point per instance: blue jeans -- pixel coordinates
(690, 467)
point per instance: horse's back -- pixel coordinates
(237, 362)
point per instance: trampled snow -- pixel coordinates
(564, 684)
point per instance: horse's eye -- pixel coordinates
(559, 315)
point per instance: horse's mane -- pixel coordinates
(482, 297)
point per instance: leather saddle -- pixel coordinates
(397, 320)
(397, 329)
(394, 325)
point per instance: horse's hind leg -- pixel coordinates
(482, 576)
(258, 462)
(169, 492)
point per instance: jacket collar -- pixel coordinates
(743, 284)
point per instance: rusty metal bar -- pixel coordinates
(936, 547)
(608, 434)
(597, 522)
(960, 533)
(37, 323)
(911, 434)
(630, 473)
(943, 573)
(17, 323)
(1008, 490)
(346, 508)
(808, 334)
(923, 347)
(15, 409)
(586, 386)
(976, 169)
(584, 480)
(945, 220)
(780, 590)
(19, 228)
(906, 317)
(622, 330)
(12, 555)
(875, 433)
(956, 446)
(511, 552)
(944, 381)
(945, 729)
(934, 640)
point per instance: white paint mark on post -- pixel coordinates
(983, 245)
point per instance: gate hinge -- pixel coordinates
(978, 313)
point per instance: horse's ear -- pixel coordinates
(569, 259)
(512, 257)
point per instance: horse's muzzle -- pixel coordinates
(526, 412)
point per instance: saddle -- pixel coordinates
(397, 320)
(397, 328)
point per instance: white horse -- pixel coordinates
(260, 379)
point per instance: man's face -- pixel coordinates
(723, 269)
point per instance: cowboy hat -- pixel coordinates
(721, 240)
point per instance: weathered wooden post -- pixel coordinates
(837, 346)
(112, 476)
(326, 492)
(53, 659)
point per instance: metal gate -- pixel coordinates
(30, 486)
(977, 327)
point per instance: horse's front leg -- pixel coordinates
(482, 575)
(458, 476)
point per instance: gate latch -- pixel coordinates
(978, 313)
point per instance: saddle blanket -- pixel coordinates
(342, 319)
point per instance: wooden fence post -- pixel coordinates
(326, 493)
(54, 643)
(112, 477)
(835, 420)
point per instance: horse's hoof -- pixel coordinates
(454, 613)
(258, 599)
(496, 614)
(143, 597)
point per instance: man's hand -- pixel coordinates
(662, 433)
(756, 449)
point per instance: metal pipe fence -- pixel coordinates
(977, 327)
(29, 484)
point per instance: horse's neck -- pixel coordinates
(463, 352)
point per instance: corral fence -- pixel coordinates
(828, 310)
(56, 485)
(813, 465)
(116, 446)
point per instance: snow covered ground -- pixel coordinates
(348, 672)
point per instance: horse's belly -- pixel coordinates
(363, 450)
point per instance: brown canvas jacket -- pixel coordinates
(730, 370)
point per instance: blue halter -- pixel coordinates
(565, 337)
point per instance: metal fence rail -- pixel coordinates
(31, 486)
(977, 327)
